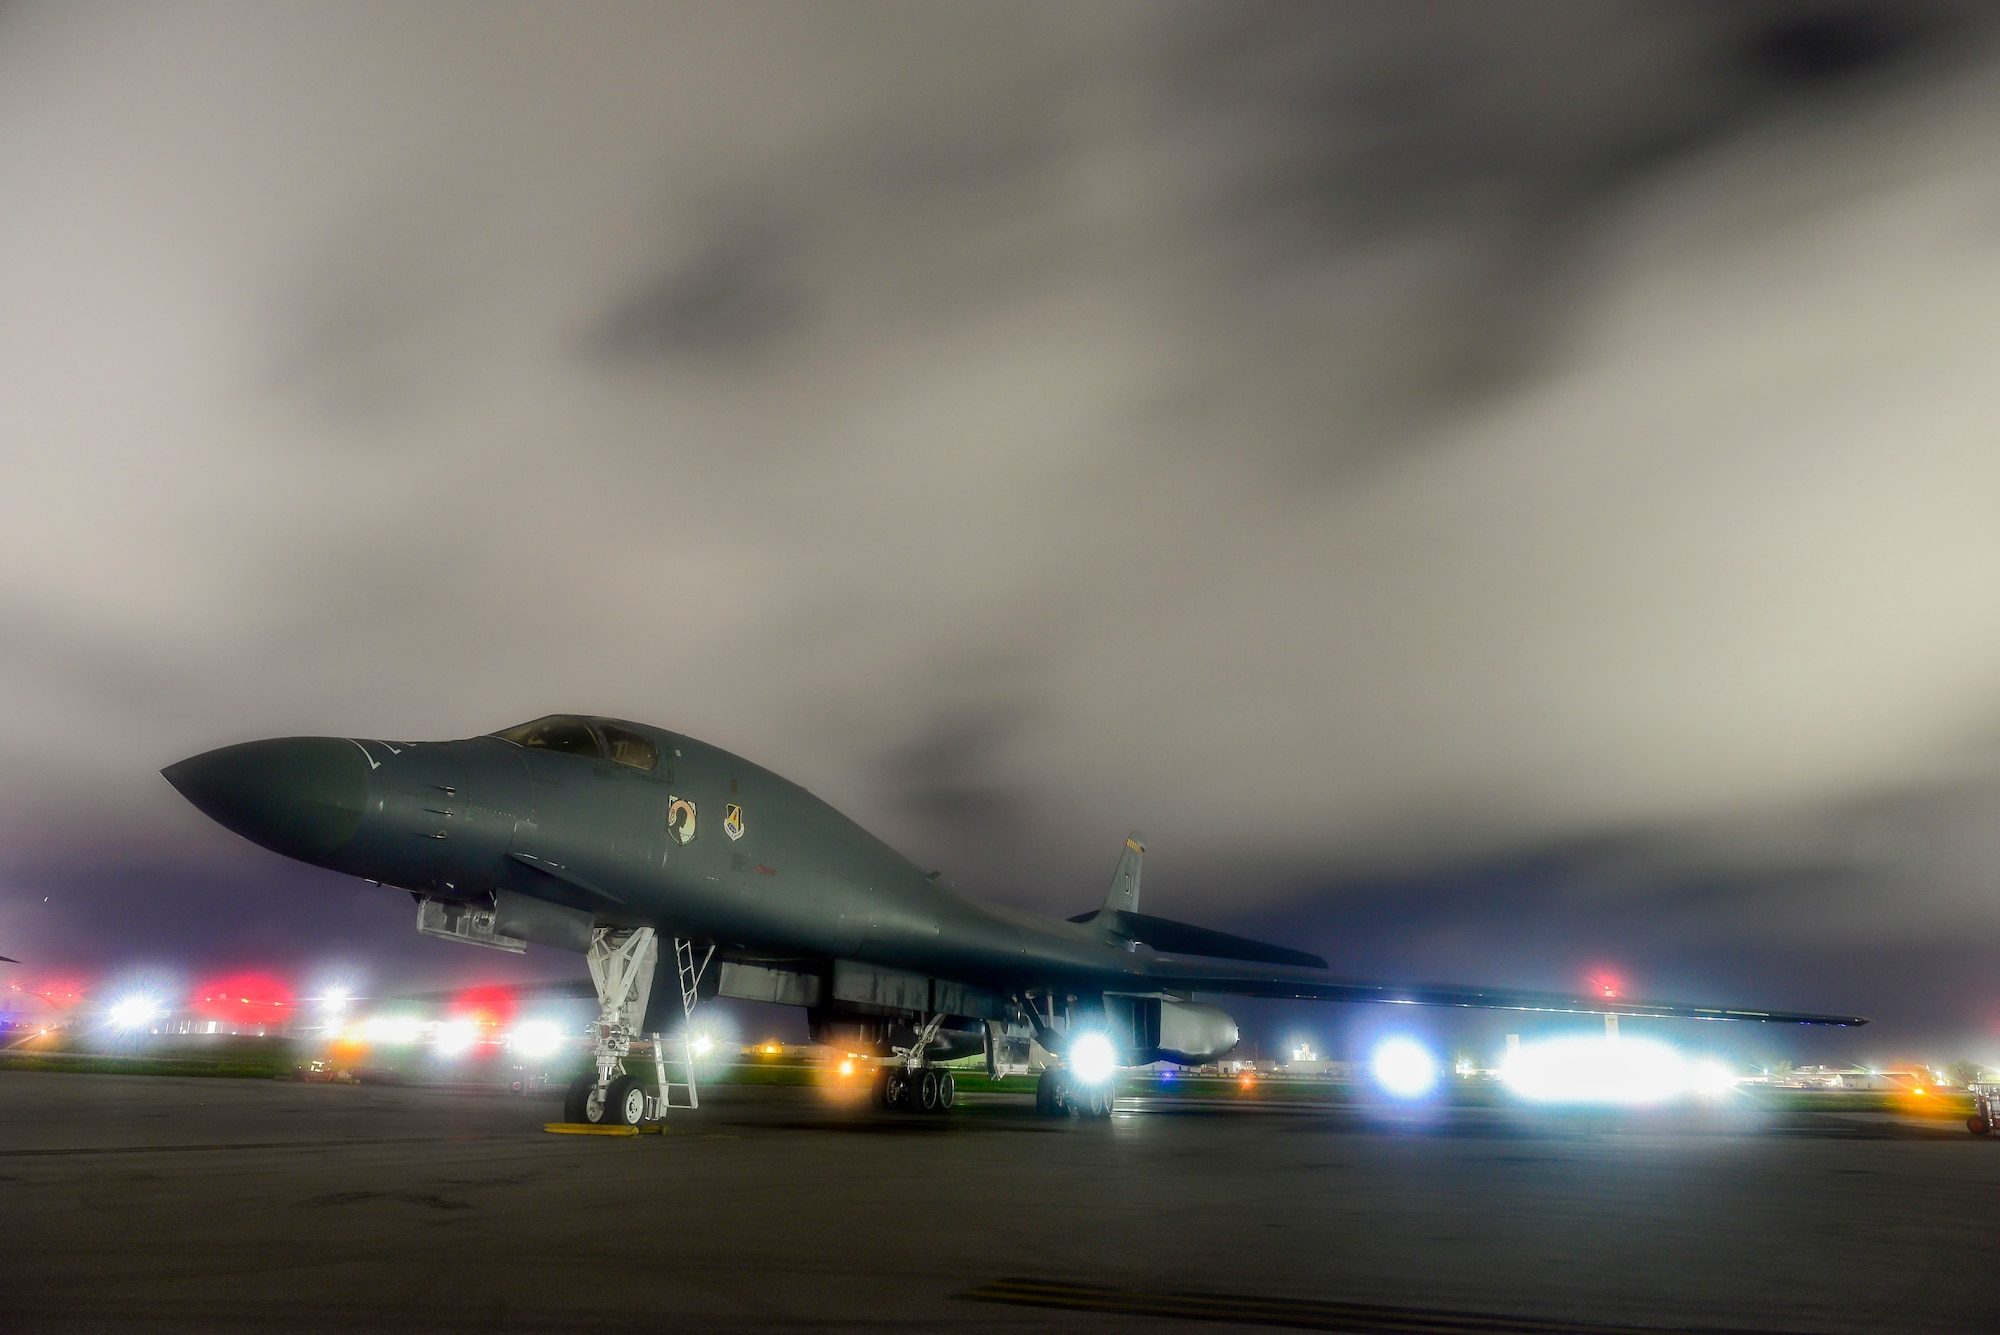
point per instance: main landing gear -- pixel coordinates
(905, 1083)
(925, 1089)
(1058, 1094)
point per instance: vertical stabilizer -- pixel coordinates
(1123, 897)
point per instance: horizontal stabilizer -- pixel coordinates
(1180, 938)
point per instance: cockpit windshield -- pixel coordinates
(576, 737)
(557, 732)
(630, 748)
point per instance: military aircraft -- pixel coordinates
(612, 838)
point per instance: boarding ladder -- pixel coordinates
(690, 971)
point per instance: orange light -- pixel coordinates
(1918, 1090)
(847, 1068)
(1247, 1081)
(771, 1049)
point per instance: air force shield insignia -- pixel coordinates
(732, 820)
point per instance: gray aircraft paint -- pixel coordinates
(468, 820)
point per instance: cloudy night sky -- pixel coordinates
(1496, 493)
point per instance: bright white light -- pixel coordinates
(391, 1029)
(1598, 1070)
(455, 1036)
(1405, 1068)
(535, 1038)
(1710, 1077)
(135, 1012)
(1091, 1058)
(703, 1045)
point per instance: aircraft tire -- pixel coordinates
(927, 1091)
(1097, 1103)
(947, 1091)
(1048, 1094)
(899, 1089)
(1977, 1125)
(624, 1102)
(577, 1098)
(878, 1088)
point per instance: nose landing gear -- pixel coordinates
(622, 965)
(621, 1103)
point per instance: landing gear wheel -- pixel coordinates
(576, 1100)
(899, 1089)
(927, 1091)
(1096, 1103)
(947, 1091)
(1049, 1101)
(878, 1088)
(1978, 1125)
(624, 1102)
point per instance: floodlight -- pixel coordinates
(1712, 1077)
(135, 1012)
(703, 1045)
(1405, 1068)
(1596, 1070)
(455, 1036)
(535, 1038)
(1091, 1058)
(391, 1029)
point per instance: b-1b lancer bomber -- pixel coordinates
(684, 872)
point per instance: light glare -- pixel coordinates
(1599, 1070)
(535, 1038)
(1091, 1058)
(1405, 1068)
(455, 1036)
(391, 1029)
(134, 1012)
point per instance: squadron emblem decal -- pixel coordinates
(680, 819)
(732, 820)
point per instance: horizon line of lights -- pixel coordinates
(1569, 1069)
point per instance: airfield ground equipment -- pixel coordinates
(1985, 1108)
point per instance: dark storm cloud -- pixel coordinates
(1386, 453)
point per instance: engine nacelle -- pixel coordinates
(1193, 1034)
(1150, 1029)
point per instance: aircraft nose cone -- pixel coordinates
(300, 796)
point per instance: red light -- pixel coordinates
(243, 998)
(1605, 984)
(60, 993)
(488, 1004)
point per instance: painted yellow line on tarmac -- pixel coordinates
(1298, 1314)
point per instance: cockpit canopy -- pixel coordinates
(600, 739)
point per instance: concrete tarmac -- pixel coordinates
(133, 1202)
